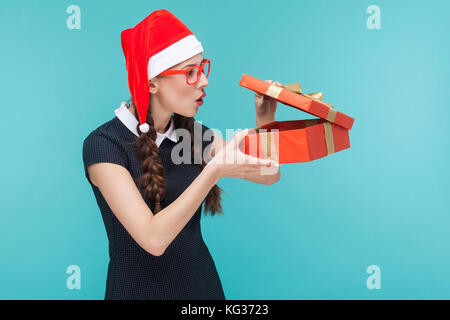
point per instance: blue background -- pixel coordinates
(313, 234)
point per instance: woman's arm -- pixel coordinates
(153, 233)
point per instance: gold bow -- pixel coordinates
(295, 87)
(274, 91)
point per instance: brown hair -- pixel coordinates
(152, 184)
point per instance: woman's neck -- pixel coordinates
(133, 111)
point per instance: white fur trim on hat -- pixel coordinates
(178, 52)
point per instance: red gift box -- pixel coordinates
(297, 140)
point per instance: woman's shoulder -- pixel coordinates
(105, 144)
(112, 131)
(109, 129)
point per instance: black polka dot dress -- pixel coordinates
(186, 270)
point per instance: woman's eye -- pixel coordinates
(191, 72)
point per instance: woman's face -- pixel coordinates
(174, 94)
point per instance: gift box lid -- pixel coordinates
(292, 95)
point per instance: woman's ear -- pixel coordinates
(154, 85)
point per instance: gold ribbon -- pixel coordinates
(268, 144)
(274, 91)
(329, 137)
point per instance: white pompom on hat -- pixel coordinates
(144, 127)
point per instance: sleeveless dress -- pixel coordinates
(186, 270)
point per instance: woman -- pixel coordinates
(151, 205)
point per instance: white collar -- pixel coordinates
(129, 120)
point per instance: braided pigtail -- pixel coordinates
(152, 183)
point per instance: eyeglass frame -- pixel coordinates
(186, 71)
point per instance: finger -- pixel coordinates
(268, 163)
(274, 163)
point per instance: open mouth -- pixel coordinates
(199, 101)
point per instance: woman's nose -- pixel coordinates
(203, 82)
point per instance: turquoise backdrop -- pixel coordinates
(312, 235)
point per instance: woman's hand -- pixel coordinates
(230, 161)
(265, 107)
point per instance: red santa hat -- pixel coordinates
(155, 44)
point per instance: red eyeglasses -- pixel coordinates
(193, 73)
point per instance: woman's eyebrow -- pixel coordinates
(192, 64)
